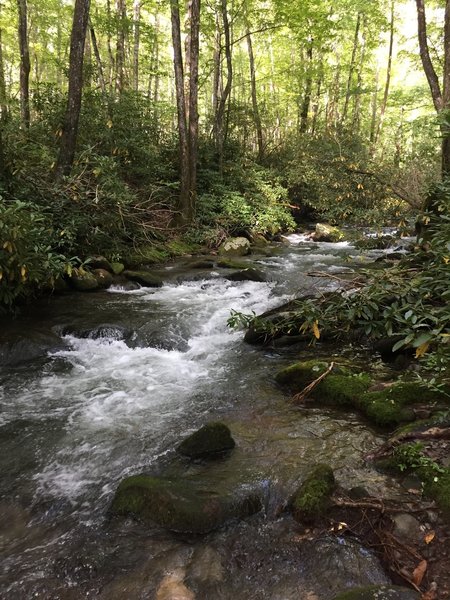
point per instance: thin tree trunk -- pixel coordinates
(316, 106)
(184, 198)
(428, 67)
(136, 42)
(388, 76)
(351, 70)
(121, 11)
(219, 121)
(255, 108)
(100, 72)
(304, 111)
(111, 65)
(24, 64)
(3, 97)
(357, 103)
(374, 105)
(194, 48)
(70, 127)
(445, 129)
(87, 78)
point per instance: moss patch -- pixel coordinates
(312, 498)
(301, 374)
(343, 390)
(379, 592)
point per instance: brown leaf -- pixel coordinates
(429, 537)
(419, 572)
(430, 594)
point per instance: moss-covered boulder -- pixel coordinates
(206, 263)
(227, 263)
(100, 262)
(144, 278)
(103, 277)
(209, 441)
(301, 374)
(117, 268)
(83, 281)
(343, 389)
(379, 592)
(249, 274)
(180, 506)
(237, 246)
(327, 233)
(311, 500)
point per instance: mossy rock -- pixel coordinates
(312, 498)
(83, 281)
(328, 233)
(392, 406)
(178, 247)
(144, 278)
(236, 246)
(180, 506)
(301, 374)
(206, 263)
(147, 255)
(117, 268)
(225, 263)
(210, 440)
(438, 488)
(342, 390)
(100, 262)
(103, 277)
(379, 592)
(249, 274)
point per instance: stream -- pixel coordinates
(130, 375)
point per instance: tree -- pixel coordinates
(70, 128)
(24, 63)
(186, 84)
(440, 94)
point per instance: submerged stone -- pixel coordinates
(144, 278)
(237, 246)
(180, 506)
(209, 440)
(379, 592)
(226, 263)
(311, 500)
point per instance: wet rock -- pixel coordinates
(327, 233)
(226, 263)
(258, 240)
(144, 278)
(249, 274)
(172, 587)
(104, 330)
(125, 283)
(83, 281)
(385, 345)
(311, 500)
(379, 592)
(408, 527)
(375, 243)
(20, 349)
(206, 566)
(209, 440)
(301, 374)
(103, 277)
(180, 506)
(344, 563)
(207, 263)
(237, 246)
(100, 262)
(117, 268)
(60, 286)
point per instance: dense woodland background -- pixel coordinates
(126, 122)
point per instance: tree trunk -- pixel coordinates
(121, 12)
(194, 48)
(4, 171)
(184, 198)
(304, 112)
(111, 65)
(351, 70)
(359, 87)
(70, 127)
(24, 64)
(255, 108)
(388, 76)
(101, 76)
(220, 130)
(136, 42)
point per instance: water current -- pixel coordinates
(135, 372)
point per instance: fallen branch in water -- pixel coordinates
(433, 433)
(374, 504)
(301, 396)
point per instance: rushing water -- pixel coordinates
(101, 407)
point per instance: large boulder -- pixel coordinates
(83, 281)
(237, 246)
(210, 440)
(181, 506)
(117, 268)
(327, 233)
(100, 262)
(144, 278)
(103, 277)
(311, 500)
(379, 592)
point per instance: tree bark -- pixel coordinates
(304, 112)
(388, 75)
(351, 70)
(255, 107)
(136, 42)
(194, 48)
(70, 127)
(24, 63)
(220, 130)
(101, 76)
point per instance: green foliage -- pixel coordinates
(29, 256)
(411, 457)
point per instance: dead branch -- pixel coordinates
(301, 396)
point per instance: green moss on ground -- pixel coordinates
(343, 390)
